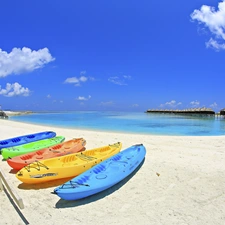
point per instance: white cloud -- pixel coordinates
(57, 101)
(73, 80)
(115, 80)
(135, 105)
(119, 80)
(109, 103)
(214, 105)
(214, 44)
(78, 80)
(15, 89)
(83, 79)
(214, 21)
(81, 98)
(49, 96)
(91, 78)
(127, 77)
(23, 60)
(171, 104)
(195, 103)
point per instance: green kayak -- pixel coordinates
(30, 147)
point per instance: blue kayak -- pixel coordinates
(26, 139)
(104, 175)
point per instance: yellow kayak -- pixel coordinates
(67, 166)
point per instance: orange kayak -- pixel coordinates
(65, 148)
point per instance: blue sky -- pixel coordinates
(112, 55)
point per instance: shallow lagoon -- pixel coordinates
(133, 122)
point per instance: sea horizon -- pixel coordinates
(128, 122)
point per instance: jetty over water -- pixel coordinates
(190, 111)
(222, 112)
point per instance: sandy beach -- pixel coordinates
(180, 182)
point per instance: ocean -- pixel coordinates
(130, 122)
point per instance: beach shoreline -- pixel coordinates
(180, 182)
(128, 122)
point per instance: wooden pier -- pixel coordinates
(191, 111)
(222, 112)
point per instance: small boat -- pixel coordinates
(67, 166)
(65, 148)
(15, 141)
(104, 175)
(30, 147)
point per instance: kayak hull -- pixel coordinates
(20, 140)
(104, 175)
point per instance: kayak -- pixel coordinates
(30, 147)
(67, 166)
(65, 148)
(104, 175)
(26, 139)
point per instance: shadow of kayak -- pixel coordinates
(38, 186)
(75, 203)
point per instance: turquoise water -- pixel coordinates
(143, 123)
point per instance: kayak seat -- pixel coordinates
(16, 140)
(30, 136)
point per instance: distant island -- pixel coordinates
(6, 114)
(3, 115)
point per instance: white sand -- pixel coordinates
(190, 188)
